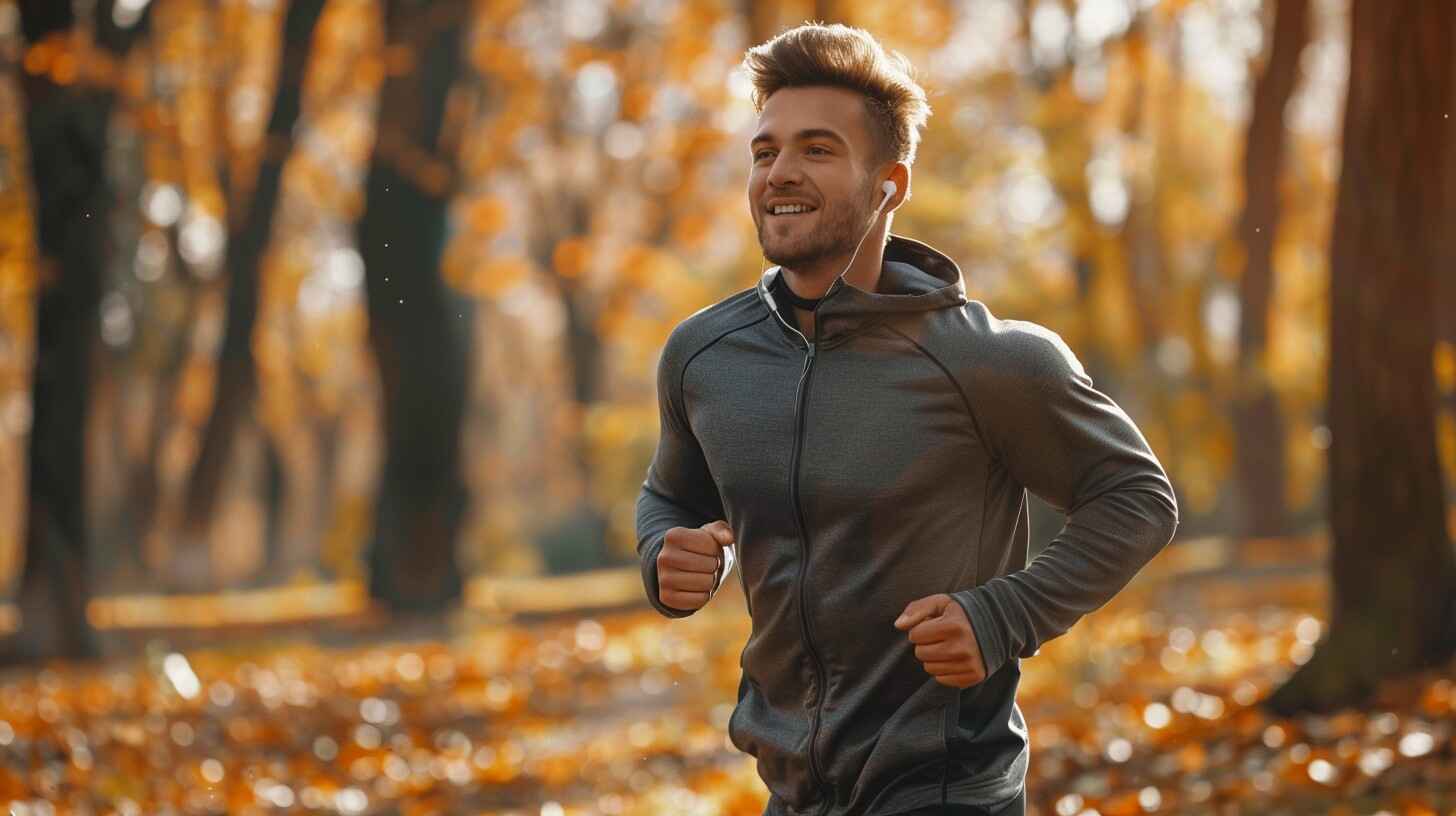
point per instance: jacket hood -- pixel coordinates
(914, 277)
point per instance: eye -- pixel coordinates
(819, 148)
(760, 154)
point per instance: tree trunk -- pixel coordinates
(249, 231)
(419, 328)
(1446, 296)
(1258, 425)
(66, 134)
(1142, 237)
(1393, 569)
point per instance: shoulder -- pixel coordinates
(706, 326)
(999, 351)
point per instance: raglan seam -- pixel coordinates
(980, 436)
(682, 402)
(976, 426)
(970, 412)
(683, 373)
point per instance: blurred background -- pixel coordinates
(328, 337)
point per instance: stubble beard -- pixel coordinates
(840, 227)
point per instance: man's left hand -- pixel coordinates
(944, 641)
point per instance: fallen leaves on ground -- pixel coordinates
(1145, 707)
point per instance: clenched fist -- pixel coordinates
(945, 642)
(688, 564)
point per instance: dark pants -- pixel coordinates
(1016, 807)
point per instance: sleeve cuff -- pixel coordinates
(986, 626)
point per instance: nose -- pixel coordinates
(784, 170)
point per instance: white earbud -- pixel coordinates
(889, 188)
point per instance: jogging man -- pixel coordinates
(857, 437)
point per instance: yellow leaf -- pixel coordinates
(1445, 362)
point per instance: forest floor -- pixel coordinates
(1147, 705)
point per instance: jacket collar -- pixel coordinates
(914, 278)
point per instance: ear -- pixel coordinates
(900, 174)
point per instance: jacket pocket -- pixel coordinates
(778, 740)
(733, 734)
(910, 749)
(988, 732)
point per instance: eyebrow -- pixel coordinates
(807, 133)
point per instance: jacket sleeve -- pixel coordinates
(1071, 445)
(679, 490)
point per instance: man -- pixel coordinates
(864, 436)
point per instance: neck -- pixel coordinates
(811, 281)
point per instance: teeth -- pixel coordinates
(784, 209)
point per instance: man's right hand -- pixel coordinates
(688, 563)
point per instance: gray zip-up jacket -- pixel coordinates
(884, 459)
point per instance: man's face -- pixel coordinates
(811, 148)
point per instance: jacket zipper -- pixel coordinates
(804, 569)
(799, 402)
(799, 411)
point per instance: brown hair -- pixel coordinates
(846, 57)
